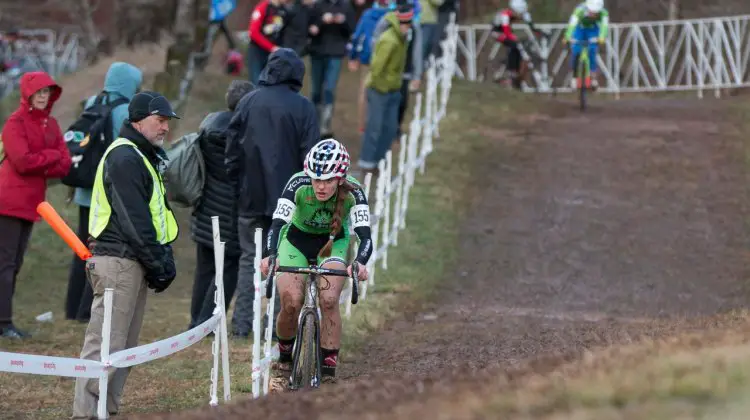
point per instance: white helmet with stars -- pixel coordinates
(327, 159)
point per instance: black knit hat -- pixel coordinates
(145, 104)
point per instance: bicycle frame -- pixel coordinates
(582, 60)
(582, 69)
(529, 55)
(311, 307)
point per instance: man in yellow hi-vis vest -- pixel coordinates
(131, 228)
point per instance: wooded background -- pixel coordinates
(106, 23)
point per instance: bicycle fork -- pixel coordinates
(310, 307)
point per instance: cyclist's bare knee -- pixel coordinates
(291, 294)
(331, 286)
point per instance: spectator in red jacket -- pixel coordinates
(34, 152)
(266, 25)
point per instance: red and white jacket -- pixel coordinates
(266, 25)
(502, 24)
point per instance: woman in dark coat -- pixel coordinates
(218, 199)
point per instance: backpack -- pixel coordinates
(186, 171)
(88, 138)
(364, 43)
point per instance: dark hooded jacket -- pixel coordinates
(218, 197)
(271, 131)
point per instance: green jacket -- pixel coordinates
(430, 11)
(388, 58)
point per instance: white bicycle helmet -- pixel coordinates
(519, 6)
(327, 159)
(594, 6)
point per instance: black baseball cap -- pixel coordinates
(145, 104)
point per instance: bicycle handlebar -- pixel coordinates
(320, 271)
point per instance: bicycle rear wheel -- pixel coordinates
(306, 368)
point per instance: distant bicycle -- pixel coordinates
(582, 76)
(497, 70)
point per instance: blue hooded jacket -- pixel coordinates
(360, 45)
(122, 81)
(220, 9)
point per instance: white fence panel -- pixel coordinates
(699, 54)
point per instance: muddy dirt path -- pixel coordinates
(592, 229)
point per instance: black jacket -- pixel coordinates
(128, 185)
(296, 35)
(333, 37)
(272, 129)
(218, 197)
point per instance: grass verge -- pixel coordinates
(704, 375)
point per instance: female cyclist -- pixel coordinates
(309, 226)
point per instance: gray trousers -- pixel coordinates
(242, 319)
(126, 277)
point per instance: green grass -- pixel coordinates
(702, 375)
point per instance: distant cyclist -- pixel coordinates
(311, 225)
(502, 30)
(589, 21)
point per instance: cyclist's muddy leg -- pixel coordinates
(330, 335)
(292, 296)
(330, 292)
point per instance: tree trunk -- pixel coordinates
(92, 36)
(184, 17)
(673, 10)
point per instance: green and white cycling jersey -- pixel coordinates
(583, 19)
(299, 207)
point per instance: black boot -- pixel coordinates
(12, 332)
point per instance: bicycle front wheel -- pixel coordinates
(307, 359)
(583, 67)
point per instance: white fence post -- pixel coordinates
(258, 369)
(101, 409)
(220, 334)
(269, 336)
(400, 187)
(223, 327)
(370, 265)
